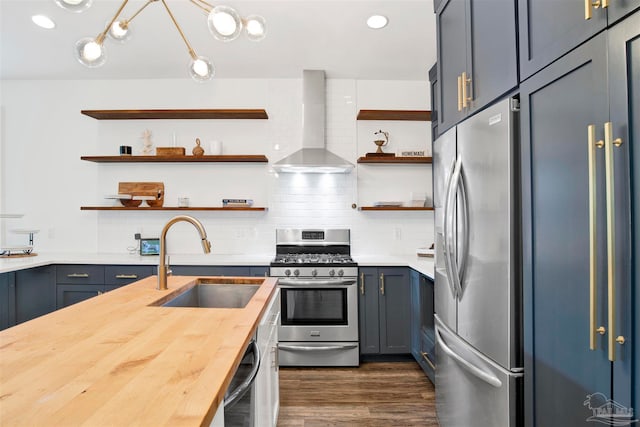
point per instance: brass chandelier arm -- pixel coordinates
(102, 35)
(128, 21)
(189, 48)
(206, 7)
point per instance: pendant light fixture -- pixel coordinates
(224, 24)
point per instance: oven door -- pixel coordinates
(321, 310)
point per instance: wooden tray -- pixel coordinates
(154, 189)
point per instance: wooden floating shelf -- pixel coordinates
(394, 208)
(395, 159)
(170, 208)
(407, 115)
(176, 114)
(184, 159)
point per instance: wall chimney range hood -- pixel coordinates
(313, 157)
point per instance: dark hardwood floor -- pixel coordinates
(375, 394)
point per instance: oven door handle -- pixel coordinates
(316, 348)
(338, 282)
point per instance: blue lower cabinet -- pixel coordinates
(34, 293)
(120, 275)
(384, 310)
(71, 294)
(422, 326)
(7, 300)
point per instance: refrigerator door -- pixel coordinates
(472, 390)
(444, 157)
(489, 303)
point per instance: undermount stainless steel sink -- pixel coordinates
(218, 292)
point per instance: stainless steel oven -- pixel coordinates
(319, 298)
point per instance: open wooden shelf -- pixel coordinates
(171, 208)
(394, 208)
(259, 158)
(408, 115)
(395, 159)
(176, 114)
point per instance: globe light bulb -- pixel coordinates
(90, 53)
(120, 31)
(256, 28)
(76, 6)
(201, 69)
(224, 23)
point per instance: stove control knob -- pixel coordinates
(332, 273)
(296, 272)
(287, 272)
(314, 272)
(340, 272)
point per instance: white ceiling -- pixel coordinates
(302, 34)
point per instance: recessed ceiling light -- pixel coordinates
(43, 21)
(377, 21)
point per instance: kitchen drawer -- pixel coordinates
(80, 273)
(427, 360)
(120, 275)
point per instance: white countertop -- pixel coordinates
(420, 264)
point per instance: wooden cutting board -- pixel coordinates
(154, 189)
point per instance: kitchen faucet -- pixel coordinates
(163, 266)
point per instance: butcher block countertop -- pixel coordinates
(115, 360)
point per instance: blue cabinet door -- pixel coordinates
(395, 310)
(368, 312)
(549, 29)
(624, 98)
(558, 105)
(7, 300)
(71, 294)
(34, 293)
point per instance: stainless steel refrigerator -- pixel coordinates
(478, 304)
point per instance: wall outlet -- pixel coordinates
(136, 236)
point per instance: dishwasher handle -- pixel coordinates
(234, 396)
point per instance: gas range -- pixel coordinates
(317, 279)
(313, 253)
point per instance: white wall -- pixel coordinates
(43, 176)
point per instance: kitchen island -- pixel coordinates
(118, 359)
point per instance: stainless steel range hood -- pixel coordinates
(313, 157)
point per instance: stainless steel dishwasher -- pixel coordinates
(239, 401)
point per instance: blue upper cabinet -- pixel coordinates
(550, 29)
(477, 56)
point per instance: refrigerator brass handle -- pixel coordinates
(425, 356)
(466, 99)
(126, 276)
(588, 4)
(593, 247)
(361, 283)
(382, 283)
(460, 93)
(611, 235)
(78, 275)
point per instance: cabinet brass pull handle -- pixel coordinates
(77, 275)
(382, 283)
(361, 283)
(466, 99)
(126, 276)
(588, 4)
(460, 93)
(611, 234)
(425, 356)
(593, 247)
